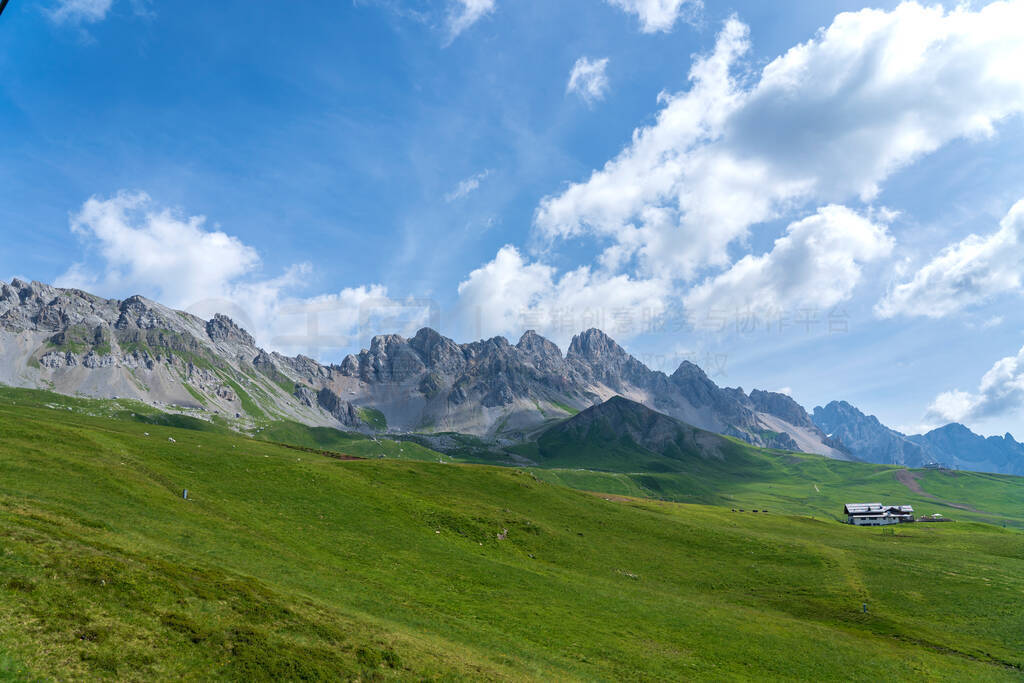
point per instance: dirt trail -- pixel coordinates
(909, 479)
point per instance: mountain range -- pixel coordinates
(73, 342)
(950, 446)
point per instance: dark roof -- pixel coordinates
(862, 508)
(875, 509)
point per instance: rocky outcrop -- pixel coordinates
(223, 329)
(343, 411)
(782, 406)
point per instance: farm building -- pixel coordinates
(876, 514)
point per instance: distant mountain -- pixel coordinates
(77, 343)
(73, 342)
(953, 446)
(957, 446)
(866, 437)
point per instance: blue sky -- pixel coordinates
(780, 192)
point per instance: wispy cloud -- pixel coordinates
(659, 15)
(464, 13)
(467, 186)
(80, 11)
(589, 79)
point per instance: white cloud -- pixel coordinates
(178, 261)
(815, 264)
(464, 13)
(466, 186)
(588, 79)
(964, 274)
(154, 249)
(80, 11)
(509, 295)
(827, 121)
(1000, 392)
(658, 15)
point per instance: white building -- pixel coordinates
(876, 514)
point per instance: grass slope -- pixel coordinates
(622, 447)
(288, 565)
(810, 485)
(346, 443)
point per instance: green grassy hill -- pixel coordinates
(287, 564)
(621, 447)
(624, 448)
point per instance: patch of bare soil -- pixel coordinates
(909, 479)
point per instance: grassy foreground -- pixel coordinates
(287, 565)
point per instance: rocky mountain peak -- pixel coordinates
(390, 359)
(782, 406)
(695, 383)
(688, 370)
(533, 343)
(221, 328)
(595, 345)
(427, 339)
(841, 412)
(955, 428)
(437, 351)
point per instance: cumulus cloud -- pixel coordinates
(1000, 392)
(80, 11)
(816, 263)
(467, 186)
(588, 79)
(510, 294)
(180, 262)
(964, 274)
(658, 15)
(464, 13)
(827, 121)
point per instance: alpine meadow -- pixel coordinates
(481, 340)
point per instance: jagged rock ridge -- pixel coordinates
(78, 343)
